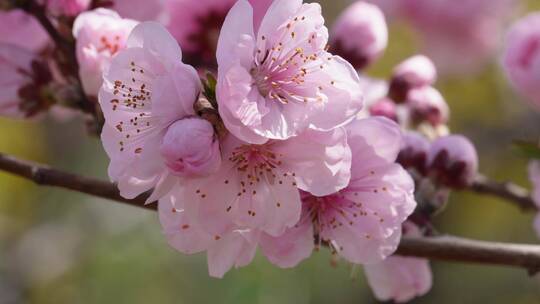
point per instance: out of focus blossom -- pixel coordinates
(190, 148)
(22, 77)
(100, 34)
(67, 7)
(415, 72)
(22, 30)
(140, 10)
(521, 58)
(360, 34)
(414, 152)
(472, 26)
(196, 25)
(426, 104)
(279, 81)
(384, 107)
(534, 177)
(453, 161)
(362, 222)
(400, 279)
(146, 89)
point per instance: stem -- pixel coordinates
(505, 190)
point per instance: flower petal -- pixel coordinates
(321, 161)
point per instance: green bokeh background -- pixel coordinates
(63, 247)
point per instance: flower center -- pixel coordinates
(112, 46)
(255, 161)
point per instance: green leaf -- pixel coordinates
(209, 88)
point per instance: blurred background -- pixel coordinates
(64, 247)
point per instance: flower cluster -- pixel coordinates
(294, 164)
(254, 127)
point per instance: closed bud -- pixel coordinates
(360, 34)
(190, 148)
(415, 72)
(453, 161)
(426, 104)
(384, 107)
(414, 152)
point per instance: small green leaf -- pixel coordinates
(209, 88)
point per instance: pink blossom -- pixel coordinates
(534, 177)
(415, 72)
(362, 222)
(255, 194)
(22, 30)
(196, 25)
(146, 89)
(189, 148)
(360, 34)
(453, 161)
(100, 34)
(398, 278)
(426, 104)
(521, 58)
(23, 77)
(67, 7)
(280, 81)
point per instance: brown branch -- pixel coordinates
(43, 175)
(505, 190)
(472, 251)
(438, 248)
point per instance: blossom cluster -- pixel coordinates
(254, 127)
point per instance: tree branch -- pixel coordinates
(505, 190)
(438, 248)
(43, 175)
(472, 251)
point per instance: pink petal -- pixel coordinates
(341, 94)
(236, 41)
(235, 248)
(290, 248)
(399, 278)
(320, 160)
(153, 37)
(180, 227)
(383, 136)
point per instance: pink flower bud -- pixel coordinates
(521, 59)
(360, 34)
(426, 104)
(453, 161)
(415, 72)
(414, 152)
(190, 149)
(384, 107)
(67, 7)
